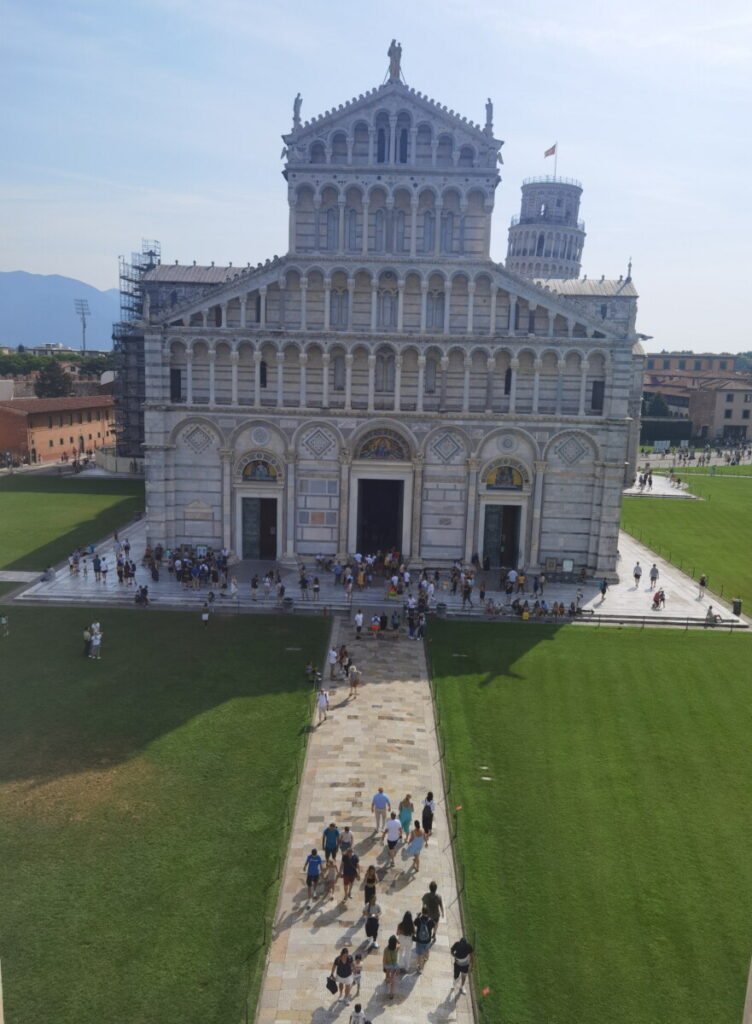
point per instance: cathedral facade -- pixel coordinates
(385, 383)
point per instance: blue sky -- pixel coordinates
(162, 119)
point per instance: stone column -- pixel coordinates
(561, 365)
(317, 225)
(536, 383)
(438, 210)
(514, 365)
(348, 380)
(371, 380)
(444, 364)
(389, 226)
(303, 363)
(470, 305)
(471, 504)
(327, 303)
(350, 301)
(400, 305)
(447, 305)
(223, 311)
(512, 313)
(466, 384)
(371, 140)
(434, 148)
(225, 455)
(291, 462)
(364, 239)
(350, 143)
(397, 381)
(291, 232)
(490, 372)
(374, 301)
(421, 382)
(341, 225)
(204, 318)
(392, 139)
(303, 304)
(325, 361)
(492, 315)
(234, 360)
(423, 305)
(412, 155)
(413, 223)
(345, 460)
(262, 304)
(212, 362)
(583, 387)
(535, 530)
(244, 311)
(280, 379)
(189, 378)
(282, 302)
(257, 360)
(417, 516)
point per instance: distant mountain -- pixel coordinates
(38, 308)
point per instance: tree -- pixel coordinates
(657, 406)
(52, 381)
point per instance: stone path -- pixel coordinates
(17, 576)
(386, 737)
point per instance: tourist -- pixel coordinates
(406, 928)
(637, 573)
(95, 651)
(322, 703)
(417, 840)
(346, 839)
(390, 964)
(541, 583)
(357, 977)
(316, 588)
(603, 588)
(423, 938)
(357, 1016)
(87, 641)
(653, 575)
(330, 841)
(702, 584)
(331, 874)
(254, 588)
(369, 886)
(312, 868)
(103, 569)
(373, 913)
(380, 804)
(429, 809)
(358, 624)
(392, 833)
(462, 952)
(348, 872)
(205, 614)
(343, 968)
(433, 905)
(406, 812)
(332, 659)
(353, 675)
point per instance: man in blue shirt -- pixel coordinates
(379, 806)
(330, 839)
(312, 868)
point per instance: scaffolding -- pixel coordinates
(128, 350)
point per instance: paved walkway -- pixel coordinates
(386, 737)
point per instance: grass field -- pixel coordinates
(607, 862)
(711, 536)
(45, 517)
(143, 801)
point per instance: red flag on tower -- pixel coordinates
(551, 151)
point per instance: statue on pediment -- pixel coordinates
(394, 53)
(297, 103)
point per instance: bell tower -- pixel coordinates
(546, 240)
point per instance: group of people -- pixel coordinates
(93, 641)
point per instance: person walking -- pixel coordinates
(702, 584)
(312, 868)
(345, 840)
(373, 913)
(429, 809)
(462, 952)
(417, 840)
(342, 968)
(406, 813)
(353, 676)
(637, 573)
(653, 575)
(87, 641)
(322, 703)
(423, 937)
(433, 905)
(390, 963)
(96, 642)
(332, 658)
(406, 929)
(205, 614)
(358, 624)
(603, 588)
(380, 804)
(357, 1016)
(348, 872)
(392, 833)
(331, 874)
(370, 882)
(330, 841)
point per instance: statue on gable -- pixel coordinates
(297, 103)
(489, 116)
(395, 58)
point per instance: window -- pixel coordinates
(531, 321)
(176, 387)
(387, 309)
(651, 364)
(666, 364)
(338, 308)
(69, 419)
(217, 316)
(331, 228)
(61, 441)
(49, 421)
(90, 437)
(745, 414)
(727, 414)
(435, 310)
(381, 146)
(88, 417)
(52, 444)
(351, 226)
(723, 364)
(447, 232)
(682, 364)
(539, 246)
(508, 381)
(698, 364)
(70, 440)
(257, 310)
(429, 381)
(596, 397)
(378, 231)
(80, 417)
(338, 367)
(403, 146)
(384, 372)
(604, 313)
(429, 229)
(399, 231)
(729, 397)
(262, 373)
(748, 397)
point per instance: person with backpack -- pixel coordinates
(422, 938)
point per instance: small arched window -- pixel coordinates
(258, 309)
(435, 309)
(384, 380)
(217, 316)
(399, 231)
(387, 309)
(378, 230)
(539, 246)
(429, 225)
(338, 370)
(351, 228)
(262, 373)
(338, 308)
(403, 146)
(429, 380)
(447, 232)
(381, 145)
(508, 382)
(331, 228)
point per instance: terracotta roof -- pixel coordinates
(26, 405)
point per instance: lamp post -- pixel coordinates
(82, 308)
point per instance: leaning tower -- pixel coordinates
(546, 239)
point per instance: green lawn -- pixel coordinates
(608, 866)
(143, 801)
(711, 536)
(45, 517)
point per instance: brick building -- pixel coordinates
(46, 429)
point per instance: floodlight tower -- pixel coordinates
(82, 308)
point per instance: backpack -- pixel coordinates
(423, 932)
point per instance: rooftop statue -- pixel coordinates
(395, 57)
(297, 103)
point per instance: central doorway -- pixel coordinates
(501, 535)
(379, 515)
(259, 528)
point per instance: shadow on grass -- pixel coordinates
(470, 641)
(64, 713)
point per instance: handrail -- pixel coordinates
(551, 179)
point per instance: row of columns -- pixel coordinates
(391, 154)
(371, 392)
